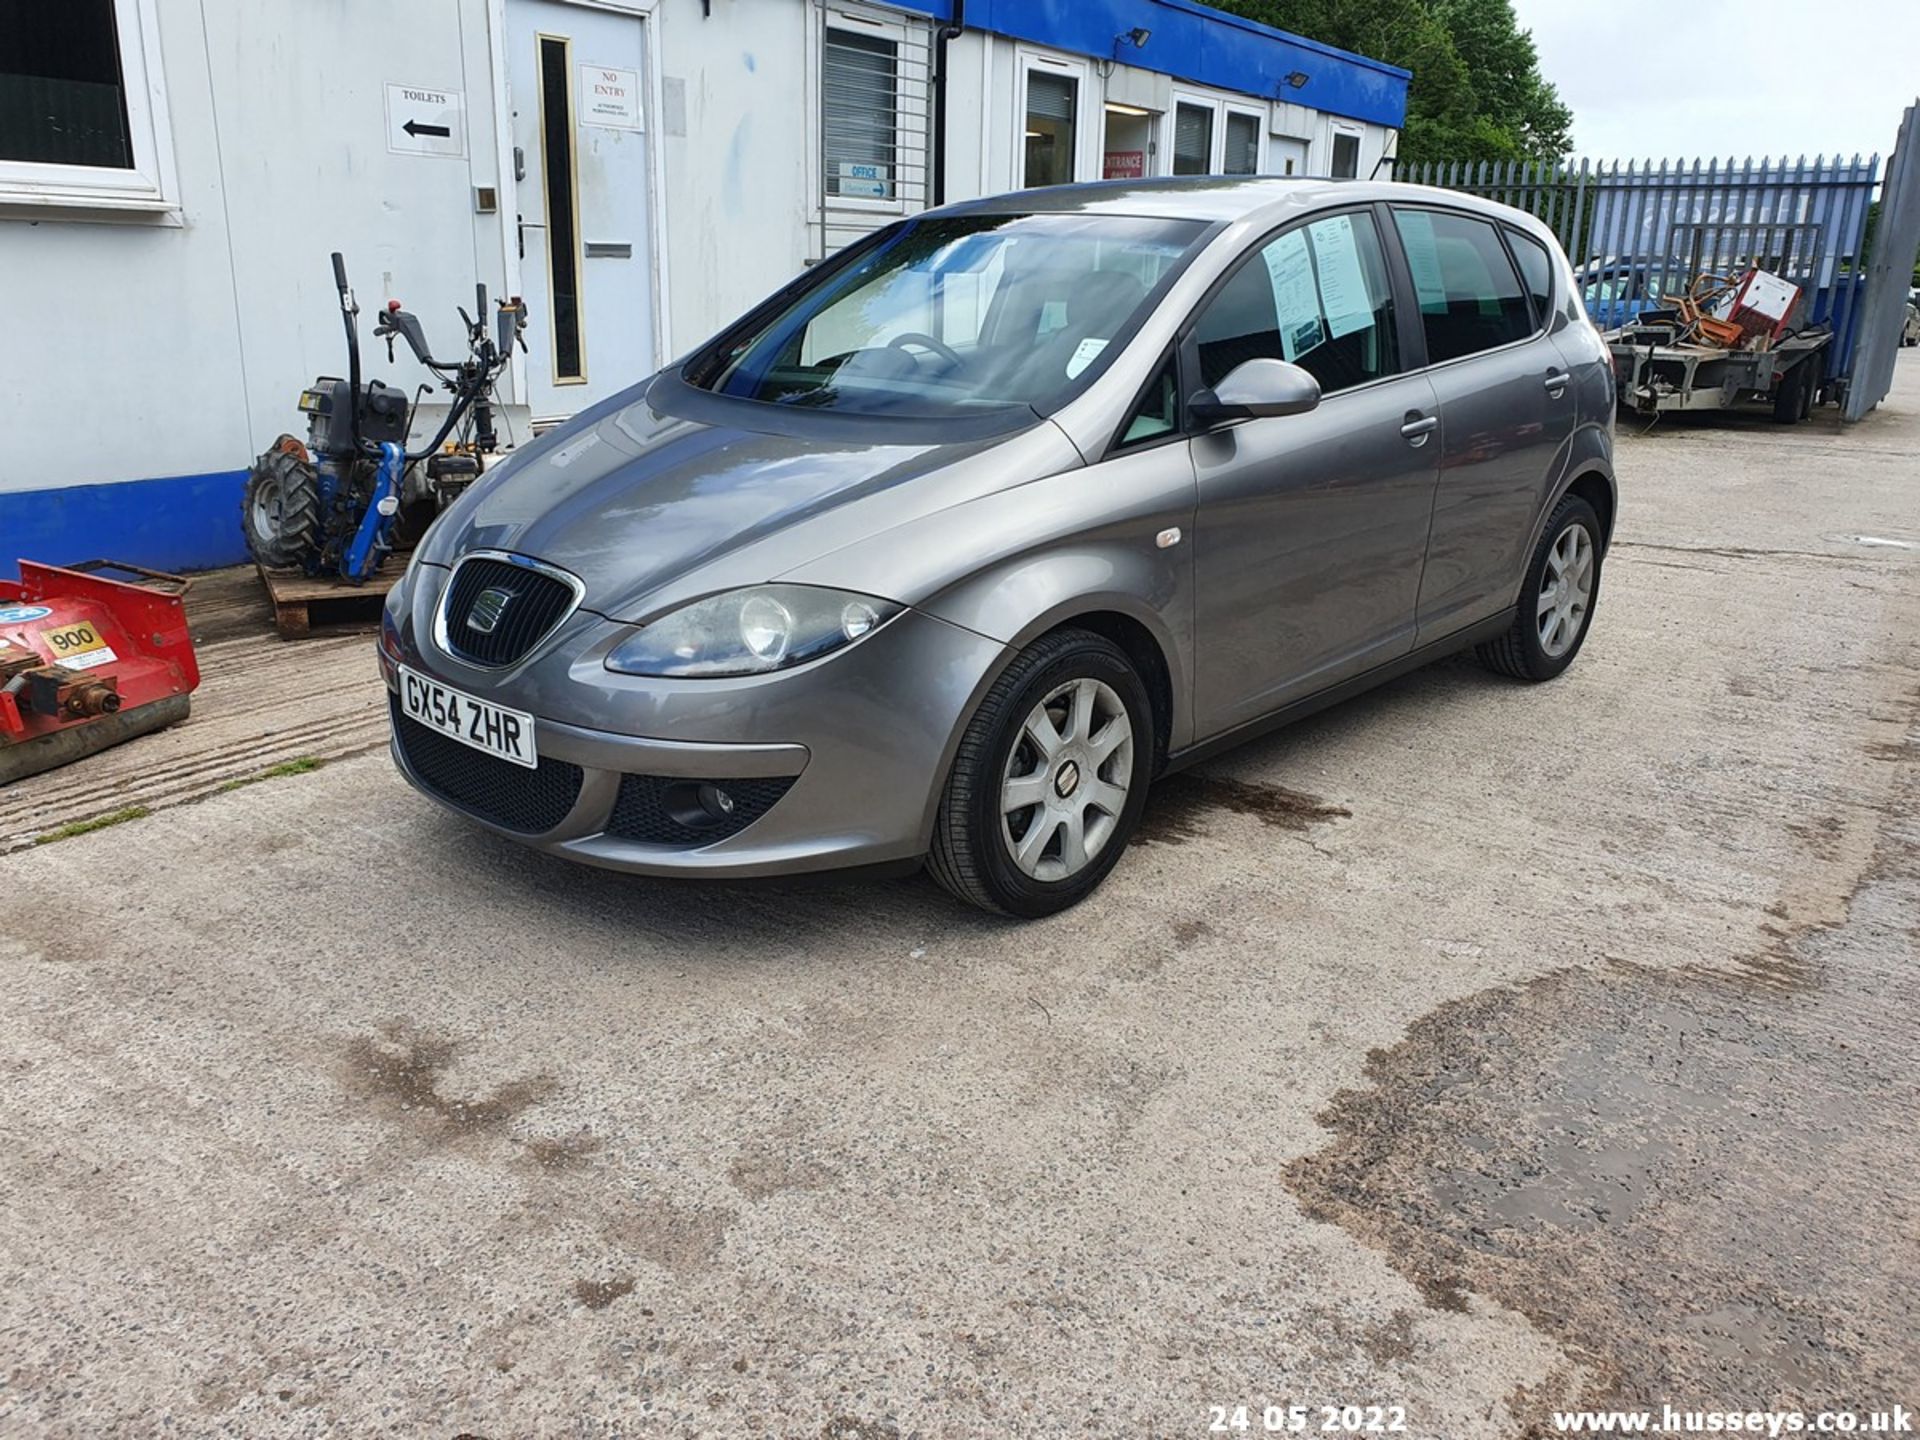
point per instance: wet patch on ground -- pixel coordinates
(1687, 1178)
(1183, 807)
(599, 1294)
(403, 1068)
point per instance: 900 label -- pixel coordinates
(77, 646)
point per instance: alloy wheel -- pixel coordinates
(1566, 590)
(1066, 780)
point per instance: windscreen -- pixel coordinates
(955, 315)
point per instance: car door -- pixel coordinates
(1311, 529)
(1506, 411)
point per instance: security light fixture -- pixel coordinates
(1139, 36)
(1298, 78)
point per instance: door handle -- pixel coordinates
(1557, 382)
(1418, 427)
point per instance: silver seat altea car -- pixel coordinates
(951, 546)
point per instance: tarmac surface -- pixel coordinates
(1478, 1049)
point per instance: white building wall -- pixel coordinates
(177, 345)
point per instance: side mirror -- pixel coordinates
(1256, 390)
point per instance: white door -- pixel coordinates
(574, 78)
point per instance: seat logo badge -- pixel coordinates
(488, 606)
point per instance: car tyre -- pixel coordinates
(1082, 683)
(1570, 551)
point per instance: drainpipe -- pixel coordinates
(948, 32)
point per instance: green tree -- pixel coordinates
(1477, 92)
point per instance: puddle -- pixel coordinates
(1183, 807)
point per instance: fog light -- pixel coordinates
(715, 801)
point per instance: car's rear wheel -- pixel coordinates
(1049, 780)
(1557, 600)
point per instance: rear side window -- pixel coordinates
(1316, 295)
(1536, 270)
(1470, 298)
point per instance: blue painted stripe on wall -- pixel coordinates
(183, 522)
(1190, 41)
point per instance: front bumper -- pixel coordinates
(865, 736)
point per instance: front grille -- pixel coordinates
(508, 795)
(666, 810)
(535, 603)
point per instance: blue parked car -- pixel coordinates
(1619, 289)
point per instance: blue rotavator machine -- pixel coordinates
(336, 504)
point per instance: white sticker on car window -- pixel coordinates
(1423, 258)
(1296, 302)
(1084, 355)
(1343, 288)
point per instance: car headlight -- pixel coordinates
(751, 631)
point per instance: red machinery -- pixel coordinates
(87, 662)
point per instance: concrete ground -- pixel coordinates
(1472, 1048)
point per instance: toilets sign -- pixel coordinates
(423, 121)
(610, 97)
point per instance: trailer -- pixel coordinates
(1656, 370)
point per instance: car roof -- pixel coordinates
(1219, 199)
(1187, 197)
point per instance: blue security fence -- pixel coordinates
(1638, 232)
(1190, 41)
(182, 522)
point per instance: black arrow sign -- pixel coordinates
(414, 127)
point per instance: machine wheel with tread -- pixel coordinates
(280, 514)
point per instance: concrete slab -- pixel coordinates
(1556, 1050)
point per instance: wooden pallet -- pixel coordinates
(303, 603)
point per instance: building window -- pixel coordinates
(559, 168)
(63, 98)
(861, 115)
(1192, 139)
(1243, 144)
(1052, 103)
(80, 122)
(1346, 155)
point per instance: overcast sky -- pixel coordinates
(1703, 78)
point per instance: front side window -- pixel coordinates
(1052, 103)
(860, 109)
(63, 94)
(1470, 297)
(954, 315)
(1317, 295)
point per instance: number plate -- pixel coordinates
(490, 729)
(78, 647)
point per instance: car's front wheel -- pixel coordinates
(1557, 600)
(1049, 780)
